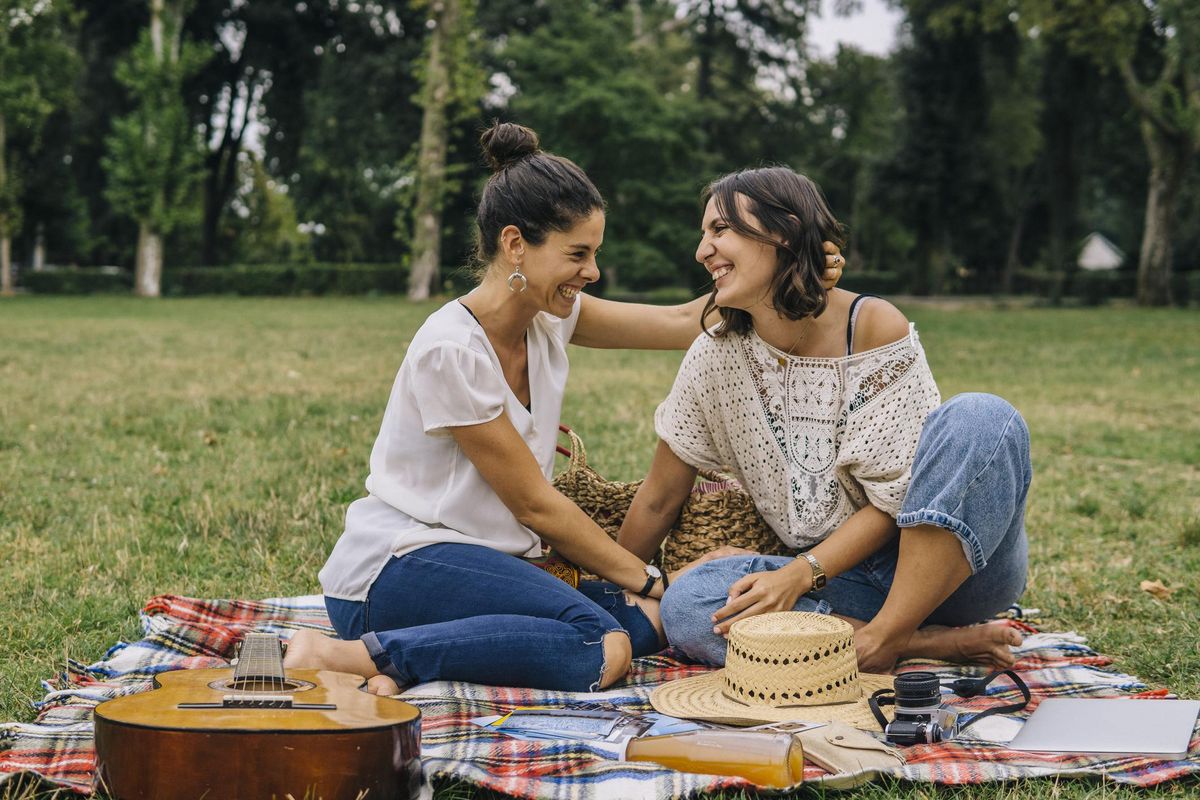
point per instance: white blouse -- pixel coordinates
(422, 488)
(811, 439)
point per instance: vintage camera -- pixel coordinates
(920, 716)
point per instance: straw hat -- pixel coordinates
(790, 666)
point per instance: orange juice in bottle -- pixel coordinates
(762, 757)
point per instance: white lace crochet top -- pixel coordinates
(811, 439)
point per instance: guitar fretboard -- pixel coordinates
(260, 662)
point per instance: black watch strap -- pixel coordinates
(645, 592)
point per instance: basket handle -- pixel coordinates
(577, 454)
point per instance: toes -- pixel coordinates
(382, 685)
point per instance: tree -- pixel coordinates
(36, 66)
(1152, 46)
(935, 181)
(154, 154)
(341, 147)
(251, 92)
(451, 83)
(738, 45)
(621, 107)
(852, 125)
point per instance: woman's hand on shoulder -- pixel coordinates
(879, 323)
(834, 263)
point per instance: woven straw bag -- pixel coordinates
(719, 512)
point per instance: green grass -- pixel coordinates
(209, 447)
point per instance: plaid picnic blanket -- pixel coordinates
(183, 632)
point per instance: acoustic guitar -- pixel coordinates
(255, 733)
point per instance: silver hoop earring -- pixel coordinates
(517, 276)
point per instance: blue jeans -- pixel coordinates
(970, 475)
(465, 612)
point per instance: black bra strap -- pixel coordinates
(850, 322)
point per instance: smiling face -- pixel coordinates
(742, 268)
(562, 265)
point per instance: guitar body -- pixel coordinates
(198, 735)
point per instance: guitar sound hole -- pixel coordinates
(261, 685)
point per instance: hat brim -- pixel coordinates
(701, 698)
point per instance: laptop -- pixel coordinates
(1125, 726)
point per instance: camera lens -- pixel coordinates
(917, 690)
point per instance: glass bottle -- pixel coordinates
(762, 757)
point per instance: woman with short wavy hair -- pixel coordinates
(907, 514)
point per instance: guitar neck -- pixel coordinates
(260, 659)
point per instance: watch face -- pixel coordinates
(653, 571)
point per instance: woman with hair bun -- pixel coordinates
(429, 579)
(907, 513)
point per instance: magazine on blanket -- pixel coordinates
(590, 724)
(602, 725)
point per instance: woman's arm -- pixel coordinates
(657, 502)
(862, 534)
(506, 463)
(638, 326)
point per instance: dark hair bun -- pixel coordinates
(505, 143)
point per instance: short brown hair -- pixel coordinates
(795, 220)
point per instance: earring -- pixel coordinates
(517, 276)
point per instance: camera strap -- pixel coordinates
(963, 687)
(969, 687)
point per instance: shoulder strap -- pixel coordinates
(854, 309)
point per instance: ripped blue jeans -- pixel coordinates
(462, 612)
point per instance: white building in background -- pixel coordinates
(1098, 253)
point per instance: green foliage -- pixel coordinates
(78, 280)
(287, 279)
(870, 282)
(37, 70)
(154, 153)
(356, 121)
(263, 227)
(1094, 288)
(619, 107)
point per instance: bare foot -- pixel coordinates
(310, 649)
(988, 644)
(383, 685)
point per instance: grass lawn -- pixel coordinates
(209, 447)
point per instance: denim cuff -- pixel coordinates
(383, 662)
(970, 542)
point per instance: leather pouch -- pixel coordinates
(838, 748)
(557, 566)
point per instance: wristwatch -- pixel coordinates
(818, 579)
(653, 573)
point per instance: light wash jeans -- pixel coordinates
(970, 475)
(462, 612)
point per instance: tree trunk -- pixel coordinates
(147, 278)
(1059, 124)
(1170, 158)
(1014, 253)
(431, 158)
(6, 281)
(39, 248)
(156, 29)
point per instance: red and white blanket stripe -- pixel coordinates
(186, 633)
